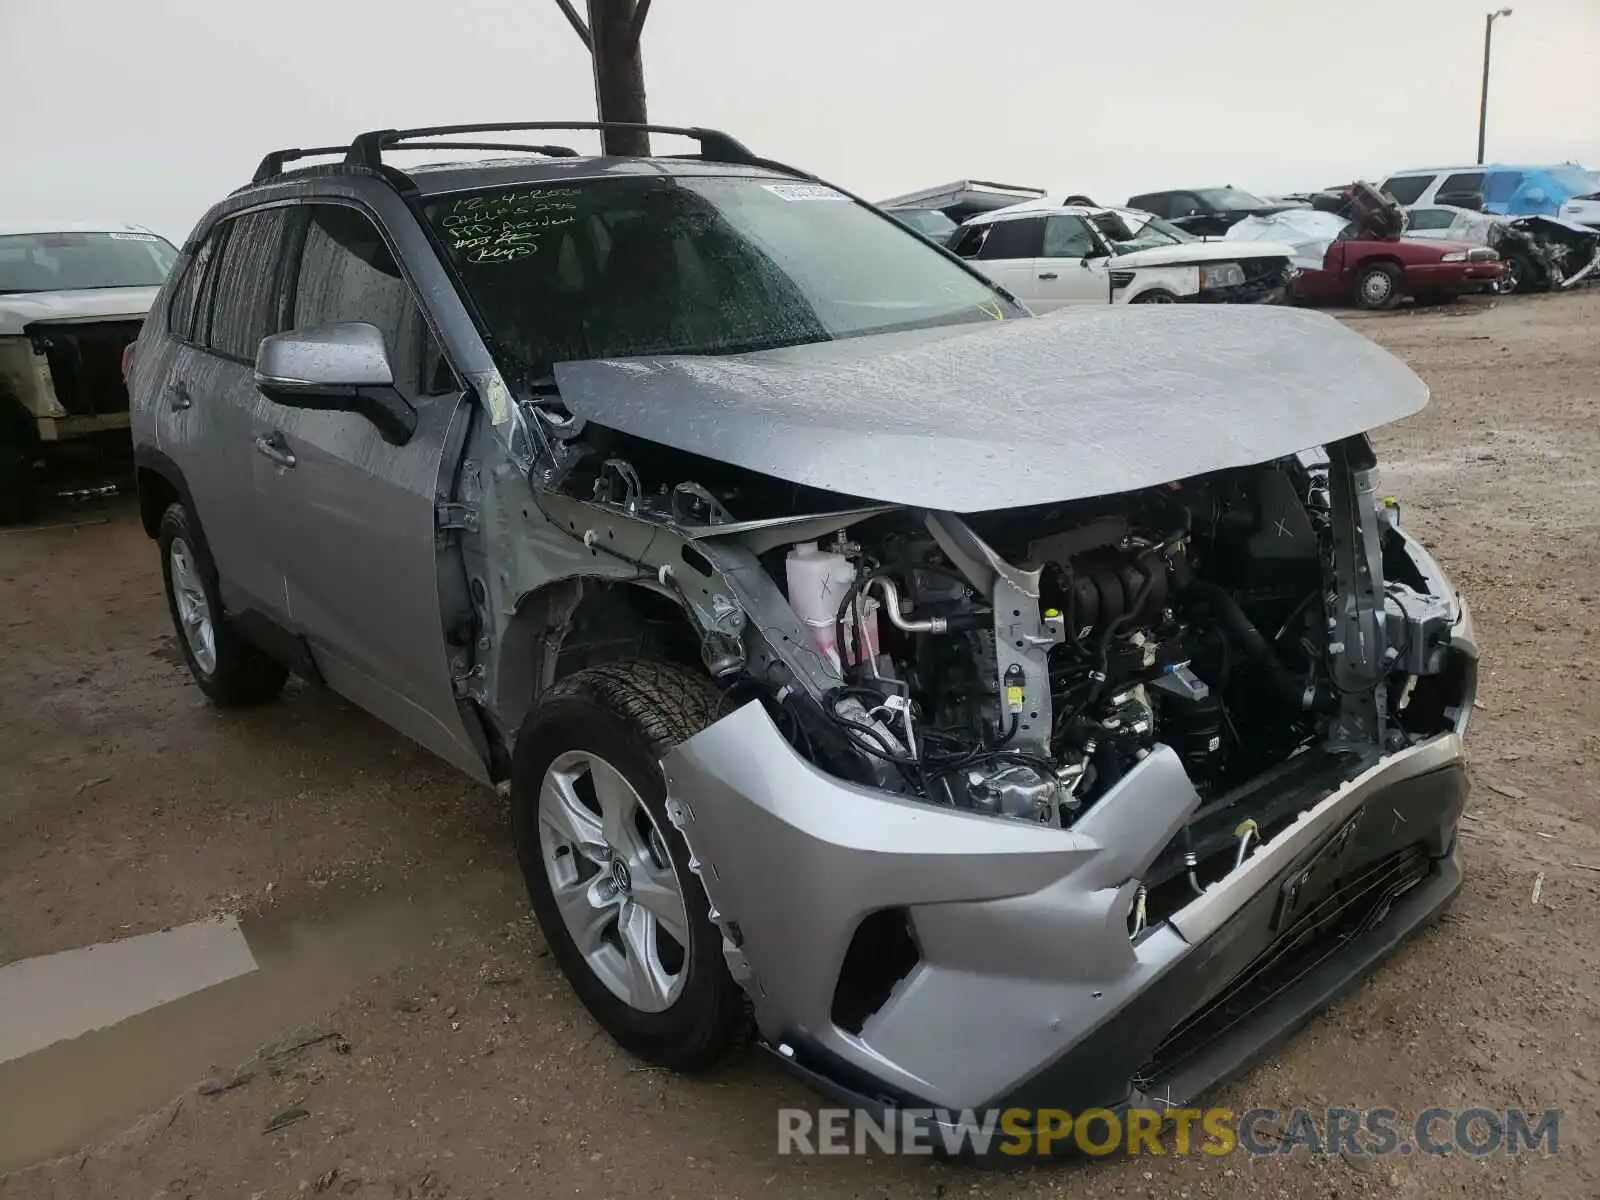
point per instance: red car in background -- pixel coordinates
(1378, 272)
(1348, 248)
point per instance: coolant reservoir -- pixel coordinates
(818, 581)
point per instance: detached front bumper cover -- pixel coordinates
(1025, 988)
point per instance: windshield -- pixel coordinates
(64, 262)
(1128, 231)
(691, 265)
(1230, 199)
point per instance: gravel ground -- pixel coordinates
(379, 892)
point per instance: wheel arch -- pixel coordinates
(584, 621)
(1373, 260)
(160, 484)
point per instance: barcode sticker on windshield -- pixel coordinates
(134, 237)
(804, 191)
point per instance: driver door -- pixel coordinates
(350, 516)
(1073, 267)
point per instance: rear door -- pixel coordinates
(1008, 255)
(230, 298)
(352, 516)
(1072, 267)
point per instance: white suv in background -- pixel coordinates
(1049, 254)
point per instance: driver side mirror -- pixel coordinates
(336, 368)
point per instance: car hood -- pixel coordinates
(1187, 254)
(1084, 402)
(18, 309)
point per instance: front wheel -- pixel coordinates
(606, 870)
(1378, 287)
(1520, 276)
(1154, 296)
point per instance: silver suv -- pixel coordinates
(1000, 711)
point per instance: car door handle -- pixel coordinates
(1048, 275)
(275, 446)
(178, 398)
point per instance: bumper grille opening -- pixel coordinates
(882, 953)
(1354, 904)
(86, 363)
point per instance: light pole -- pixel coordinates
(1483, 105)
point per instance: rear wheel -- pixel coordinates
(229, 670)
(608, 873)
(1378, 286)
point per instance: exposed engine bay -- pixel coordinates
(1020, 663)
(1192, 615)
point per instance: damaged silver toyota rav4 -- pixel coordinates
(999, 710)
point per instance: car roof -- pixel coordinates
(1030, 208)
(1469, 167)
(12, 226)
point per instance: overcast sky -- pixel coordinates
(149, 110)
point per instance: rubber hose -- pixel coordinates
(1250, 640)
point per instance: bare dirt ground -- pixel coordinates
(380, 894)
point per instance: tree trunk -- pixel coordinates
(618, 75)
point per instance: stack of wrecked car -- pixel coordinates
(1349, 248)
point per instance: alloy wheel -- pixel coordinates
(613, 881)
(194, 610)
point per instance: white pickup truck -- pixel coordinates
(73, 297)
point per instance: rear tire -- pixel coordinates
(1378, 287)
(606, 870)
(230, 671)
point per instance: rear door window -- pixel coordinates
(247, 298)
(1159, 203)
(192, 285)
(1407, 189)
(1021, 237)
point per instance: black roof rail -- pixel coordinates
(547, 151)
(272, 165)
(367, 149)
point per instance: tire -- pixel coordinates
(19, 490)
(587, 793)
(1521, 277)
(1378, 287)
(230, 671)
(1154, 296)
